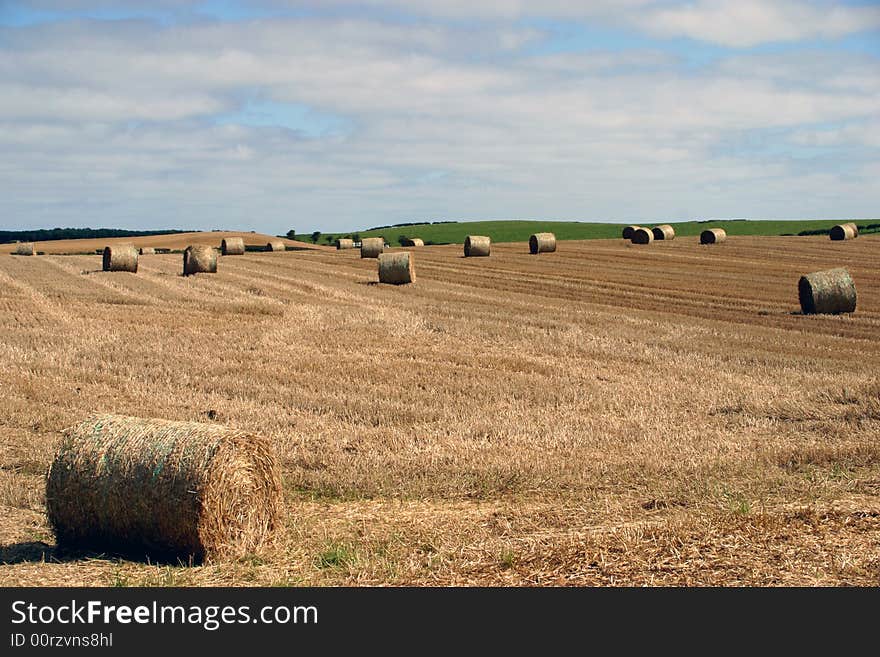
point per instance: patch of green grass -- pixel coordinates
(336, 555)
(507, 560)
(519, 231)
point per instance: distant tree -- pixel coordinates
(291, 234)
(316, 236)
(329, 239)
(356, 237)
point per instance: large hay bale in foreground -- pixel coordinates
(372, 247)
(842, 232)
(542, 243)
(628, 232)
(397, 268)
(199, 259)
(25, 249)
(232, 246)
(412, 241)
(121, 257)
(344, 243)
(171, 489)
(642, 236)
(663, 232)
(276, 245)
(827, 292)
(713, 236)
(477, 246)
(147, 250)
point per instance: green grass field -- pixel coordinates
(519, 231)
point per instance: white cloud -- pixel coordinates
(444, 121)
(742, 23)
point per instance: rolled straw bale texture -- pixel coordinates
(713, 236)
(397, 268)
(412, 241)
(827, 292)
(121, 257)
(130, 485)
(628, 232)
(542, 243)
(344, 243)
(147, 250)
(232, 246)
(855, 228)
(663, 232)
(477, 245)
(371, 247)
(642, 236)
(25, 248)
(842, 232)
(199, 259)
(276, 245)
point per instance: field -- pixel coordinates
(174, 241)
(519, 231)
(604, 415)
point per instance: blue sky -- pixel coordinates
(338, 115)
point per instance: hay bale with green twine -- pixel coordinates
(829, 292)
(232, 246)
(199, 259)
(344, 243)
(842, 232)
(147, 487)
(713, 236)
(397, 268)
(276, 245)
(542, 243)
(372, 247)
(477, 246)
(663, 232)
(628, 232)
(120, 257)
(642, 236)
(25, 249)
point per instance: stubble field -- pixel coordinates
(604, 415)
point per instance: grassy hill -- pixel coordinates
(519, 231)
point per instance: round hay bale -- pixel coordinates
(855, 228)
(412, 241)
(713, 236)
(183, 489)
(276, 245)
(628, 232)
(199, 259)
(147, 250)
(372, 247)
(663, 232)
(642, 236)
(827, 292)
(25, 249)
(397, 268)
(121, 257)
(232, 246)
(344, 243)
(477, 245)
(542, 243)
(842, 232)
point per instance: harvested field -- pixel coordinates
(608, 416)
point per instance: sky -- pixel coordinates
(272, 115)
